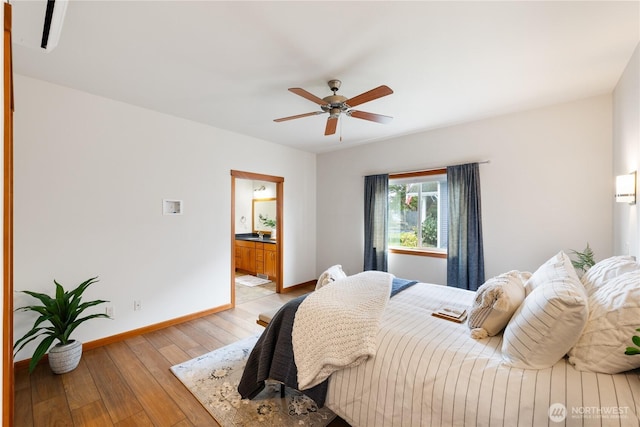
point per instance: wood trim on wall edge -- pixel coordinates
(418, 252)
(157, 326)
(8, 383)
(299, 285)
(135, 332)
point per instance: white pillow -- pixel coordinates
(549, 321)
(557, 266)
(496, 301)
(605, 270)
(331, 274)
(614, 315)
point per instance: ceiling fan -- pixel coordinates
(336, 104)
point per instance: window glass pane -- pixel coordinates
(411, 219)
(430, 186)
(430, 220)
(418, 212)
(395, 213)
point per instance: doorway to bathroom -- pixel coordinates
(257, 226)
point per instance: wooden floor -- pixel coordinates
(129, 383)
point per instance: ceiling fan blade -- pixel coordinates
(332, 123)
(299, 116)
(379, 118)
(311, 97)
(376, 93)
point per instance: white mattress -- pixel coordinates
(430, 372)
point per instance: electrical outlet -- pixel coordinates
(109, 311)
(137, 305)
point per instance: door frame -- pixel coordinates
(279, 181)
(8, 383)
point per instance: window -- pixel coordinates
(418, 213)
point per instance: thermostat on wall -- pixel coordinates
(171, 207)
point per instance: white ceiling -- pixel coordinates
(229, 64)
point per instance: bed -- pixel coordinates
(428, 371)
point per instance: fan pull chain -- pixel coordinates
(341, 129)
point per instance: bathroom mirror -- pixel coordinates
(265, 208)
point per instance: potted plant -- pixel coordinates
(269, 223)
(63, 314)
(585, 259)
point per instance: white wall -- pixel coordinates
(547, 188)
(90, 176)
(244, 197)
(626, 155)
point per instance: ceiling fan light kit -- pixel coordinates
(336, 104)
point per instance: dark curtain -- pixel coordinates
(465, 259)
(376, 190)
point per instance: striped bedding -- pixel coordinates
(430, 372)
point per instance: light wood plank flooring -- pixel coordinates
(129, 383)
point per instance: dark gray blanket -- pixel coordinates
(272, 357)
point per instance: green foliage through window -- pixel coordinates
(418, 212)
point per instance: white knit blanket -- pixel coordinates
(335, 327)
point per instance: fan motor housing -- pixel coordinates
(334, 101)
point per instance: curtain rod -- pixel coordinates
(483, 162)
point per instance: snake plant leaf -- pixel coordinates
(27, 338)
(39, 353)
(78, 322)
(59, 291)
(77, 309)
(45, 299)
(77, 292)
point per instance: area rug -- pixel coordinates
(249, 280)
(213, 379)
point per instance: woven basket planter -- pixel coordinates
(65, 358)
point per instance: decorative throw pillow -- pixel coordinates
(605, 270)
(614, 315)
(556, 266)
(331, 274)
(549, 321)
(496, 301)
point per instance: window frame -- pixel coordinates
(427, 252)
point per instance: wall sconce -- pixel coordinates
(626, 188)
